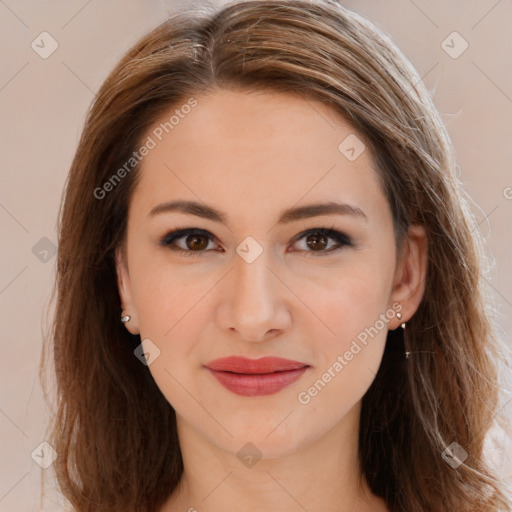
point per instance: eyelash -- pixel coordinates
(172, 236)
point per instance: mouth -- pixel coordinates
(256, 377)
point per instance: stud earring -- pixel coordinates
(125, 318)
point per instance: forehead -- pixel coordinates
(255, 148)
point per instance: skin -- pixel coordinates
(252, 155)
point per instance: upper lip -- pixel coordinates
(263, 365)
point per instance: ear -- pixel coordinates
(125, 291)
(410, 274)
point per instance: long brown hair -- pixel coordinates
(113, 430)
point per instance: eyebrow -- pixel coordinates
(287, 216)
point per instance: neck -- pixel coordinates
(323, 474)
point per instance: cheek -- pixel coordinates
(349, 347)
(172, 309)
(351, 302)
(347, 358)
(166, 298)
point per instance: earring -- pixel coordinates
(399, 316)
(407, 354)
(125, 318)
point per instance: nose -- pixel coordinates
(254, 301)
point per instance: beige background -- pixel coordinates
(42, 107)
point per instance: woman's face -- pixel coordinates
(254, 284)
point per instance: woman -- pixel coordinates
(268, 279)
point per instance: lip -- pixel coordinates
(256, 377)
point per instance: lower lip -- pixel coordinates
(257, 384)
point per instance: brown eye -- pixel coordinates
(196, 242)
(317, 241)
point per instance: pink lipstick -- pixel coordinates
(256, 377)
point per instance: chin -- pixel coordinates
(266, 437)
